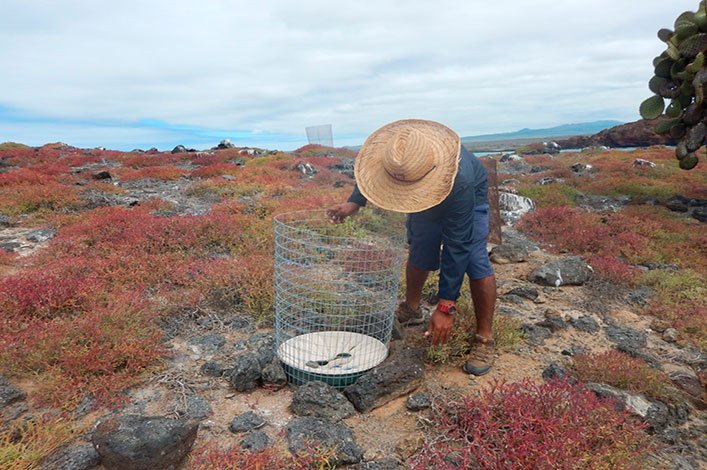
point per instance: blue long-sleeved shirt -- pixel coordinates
(456, 215)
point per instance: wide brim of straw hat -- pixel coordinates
(381, 189)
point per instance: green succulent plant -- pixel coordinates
(680, 85)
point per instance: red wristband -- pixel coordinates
(448, 308)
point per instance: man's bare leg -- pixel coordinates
(481, 356)
(483, 293)
(414, 282)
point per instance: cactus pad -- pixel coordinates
(678, 131)
(652, 107)
(689, 162)
(693, 45)
(681, 77)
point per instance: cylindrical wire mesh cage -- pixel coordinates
(336, 290)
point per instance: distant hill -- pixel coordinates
(633, 134)
(585, 128)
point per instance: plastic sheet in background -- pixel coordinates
(336, 290)
(495, 221)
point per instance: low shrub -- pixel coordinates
(255, 285)
(44, 293)
(98, 353)
(613, 269)
(549, 195)
(6, 146)
(524, 425)
(620, 370)
(29, 198)
(216, 169)
(566, 229)
(24, 444)
(681, 298)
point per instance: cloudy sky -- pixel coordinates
(128, 73)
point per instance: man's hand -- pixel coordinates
(338, 214)
(440, 323)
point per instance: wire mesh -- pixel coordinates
(335, 295)
(321, 135)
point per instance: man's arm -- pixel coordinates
(357, 198)
(338, 214)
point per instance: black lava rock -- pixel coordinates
(585, 323)
(245, 374)
(398, 375)
(322, 401)
(508, 253)
(197, 408)
(212, 369)
(132, 442)
(555, 372)
(41, 235)
(73, 457)
(626, 338)
(247, 421)
(572, 271)
(535, 335)
(255, 441)
(418, 402)
(102, 175)
(9, 393)
(304, 431)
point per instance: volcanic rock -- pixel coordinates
(102, 175)
(572, 271)
(398, 375)
(41, 235)
(305, 431)
(418, 402)
(627, 339)
(513, 207)
(255, 441)
(133, 442)
(585, 323)
(247, 421)
(534, 334)
(73, 457)
(245, 374)
(9, 393)
(321, 401)
(508, 253)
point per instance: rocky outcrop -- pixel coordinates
(634, 134)
(513, 207)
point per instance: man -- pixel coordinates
(420, 168)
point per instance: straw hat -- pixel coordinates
(409, 165)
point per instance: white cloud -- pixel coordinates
(278, 66)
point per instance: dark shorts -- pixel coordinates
(425, 239)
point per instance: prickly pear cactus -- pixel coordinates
(680, 86)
